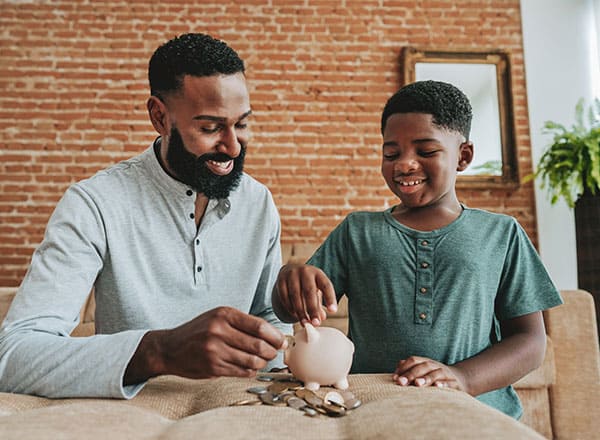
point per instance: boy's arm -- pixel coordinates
(299, 291)
(521, 350)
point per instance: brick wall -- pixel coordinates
(73, 89)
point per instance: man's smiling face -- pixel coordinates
(207, 124)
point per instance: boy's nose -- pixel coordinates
(406, 165)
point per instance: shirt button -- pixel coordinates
(189, 192)
(199, 269)
(423, 290)
(424, 265)
(192, 215)
(424, 242)
(423, 316)
(197, 242)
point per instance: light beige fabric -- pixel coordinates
(175, 408)
(560, 399)
(575, 397)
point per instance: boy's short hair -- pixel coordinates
(190, 54)
(449, 106)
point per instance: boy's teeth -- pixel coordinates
(412, 183)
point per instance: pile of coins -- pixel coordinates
(289, 391)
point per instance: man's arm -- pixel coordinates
(37, 356)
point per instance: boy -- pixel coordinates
(439, 294)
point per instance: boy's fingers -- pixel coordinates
(311, 297)
(328, 292)
(297, 307)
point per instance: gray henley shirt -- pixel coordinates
(129, 232)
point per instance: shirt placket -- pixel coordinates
(423, 313)
(215, 211)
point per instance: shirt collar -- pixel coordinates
(180, 189)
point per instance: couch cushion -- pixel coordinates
(175, 408)
(6, 296)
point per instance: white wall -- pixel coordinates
(561, 63)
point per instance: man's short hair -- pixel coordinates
(190, 54)
(449, 107)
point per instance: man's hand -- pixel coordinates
(422, 372)
(220, 342)
(299, 292)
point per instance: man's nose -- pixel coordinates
(229, 143)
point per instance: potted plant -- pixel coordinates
(570, 169)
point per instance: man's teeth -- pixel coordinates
(220, 164)
(411, 183)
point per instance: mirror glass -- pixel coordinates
(484, 78)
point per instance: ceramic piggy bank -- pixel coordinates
(320, 356)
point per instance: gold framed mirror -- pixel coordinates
(485, 78)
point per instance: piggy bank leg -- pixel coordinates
(313, 386)
(341, 384)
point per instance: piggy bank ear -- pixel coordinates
(312, 335)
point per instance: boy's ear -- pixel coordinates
(465, 155)
(157, 111)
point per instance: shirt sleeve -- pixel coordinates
(525, 286)
(37, 355)
(330, 257)
(261, 305)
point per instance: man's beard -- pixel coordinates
(193, 171)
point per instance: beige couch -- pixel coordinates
(559, 398)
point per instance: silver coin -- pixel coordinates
(265, 378)
(310, 411)
(296, 402)
(269, 398)
(257, 390)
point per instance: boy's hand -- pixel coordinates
(300, 290)
(422, 372)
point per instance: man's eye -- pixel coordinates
(210, 129)
(427, 153)
(393, 156)
(241, 125)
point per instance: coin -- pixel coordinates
(278, 387)
(269, 398)
(350, 401)
(257, 390)
(246, 402)
(309, 396)
(264, 378)
(296, 403)
(335, 398)
(333, 409)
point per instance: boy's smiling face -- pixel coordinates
(420, 160)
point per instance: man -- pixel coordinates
(181, 247)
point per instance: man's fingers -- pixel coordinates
(251, 332)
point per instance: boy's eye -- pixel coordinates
(427, 153)
(391, 156)
(241, 125)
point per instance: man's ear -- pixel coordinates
(465, 155)
(157, 111)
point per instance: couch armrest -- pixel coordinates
(576, 391)
(6, 296)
